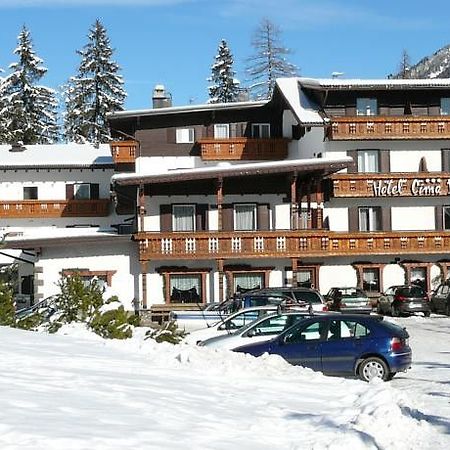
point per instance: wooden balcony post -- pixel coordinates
(294, 262)
(319, 201)
(220, 203)
(220, 271)
(294, 203)
(308, 200)
(144, 268)
(141, 203)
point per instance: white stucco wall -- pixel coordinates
(413, 218)
(336, 275)
(337, 218)
(392, 274)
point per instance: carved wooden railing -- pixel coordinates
(420, 184)
(123, 151)
(16, 209)
(389, 127)
(243, 149)
(288, 244)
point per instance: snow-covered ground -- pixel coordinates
(78, 391)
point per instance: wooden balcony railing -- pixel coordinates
(243, 149)
(288, 244)
(123, 151)
(421, 184)
(389, 127)
(18, 209)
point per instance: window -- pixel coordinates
(184, 135)
(369, 218)
(247, 281)
(261, 130)
(311, 332)
(446, 214)
(418, 276)
(30, 193)
(445, 106)
(366, 107)
(183, 217)
(245, 217)
(102, 277)
(368, 161)
(371, 279)
(305, 278)
(221, 130)
(82, 191)
(272, 325)
(185, 288)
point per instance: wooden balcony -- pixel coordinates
(21, 209)
(242, 149)
(387, 185)
(288, 244)
(392, 127)
(123, 152)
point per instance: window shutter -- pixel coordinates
(95, 191)
(439, 225)
(263, 217)
(201, 212)
(165, 215)
(385, 166)
(353, 154)
(227, 217)
(69, 191)
(353, 219)
(171, 135)
(445, 158)
(386, 219)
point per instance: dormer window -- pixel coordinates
(366, 106)
(445, 106)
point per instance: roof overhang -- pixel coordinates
(325, 166)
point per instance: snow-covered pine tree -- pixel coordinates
(96, 90)
(28, 110)
(269, 62)
(225, 87)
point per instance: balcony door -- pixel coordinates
(221, 131)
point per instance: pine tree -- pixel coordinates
(96, 90)
(28, 110)
(225, 87)
(269, 62)
(404, 66)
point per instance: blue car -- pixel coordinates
(344, 344)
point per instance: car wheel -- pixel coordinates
(427, 313)
(373, 367)
(394, 312)
(390, 376)
(447, 309)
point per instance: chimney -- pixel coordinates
(161, 98)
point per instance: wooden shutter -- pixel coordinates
(201, 213)
(353, 222)
(386, 219)
(439, 222)
(445, 158)
(354, 167)
(227, 217)
(171, 135)
(69, 191)
(263, 216)
(385, 165)
(165, 217)
(95, 191)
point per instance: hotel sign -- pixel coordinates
(415, 187)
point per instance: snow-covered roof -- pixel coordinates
(56, 156)
(342, 83)
(186, 109)
(326, 165)
(305, 110)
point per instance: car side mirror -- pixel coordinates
(251, 333)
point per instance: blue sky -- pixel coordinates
(174, 42)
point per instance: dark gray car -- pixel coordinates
(440, 299)
(404, 300)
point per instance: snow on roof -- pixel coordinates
(56, 155)
(342, 83)
(305, 110)
(188, 108)
(329, 165)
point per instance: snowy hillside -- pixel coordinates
(78, 391)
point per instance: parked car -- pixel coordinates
(404, 300)
(231, 323)
(196, 319)
(302, 296)
(348, 299)
(259, 330)
(342, 344)
(440, 299)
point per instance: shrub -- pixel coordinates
(167, 332)
(7, 309)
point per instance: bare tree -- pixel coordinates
(404, 70)
(269, 61)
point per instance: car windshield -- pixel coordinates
(350, 293)
(273, 324)
(411, 291)
(307, 296)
